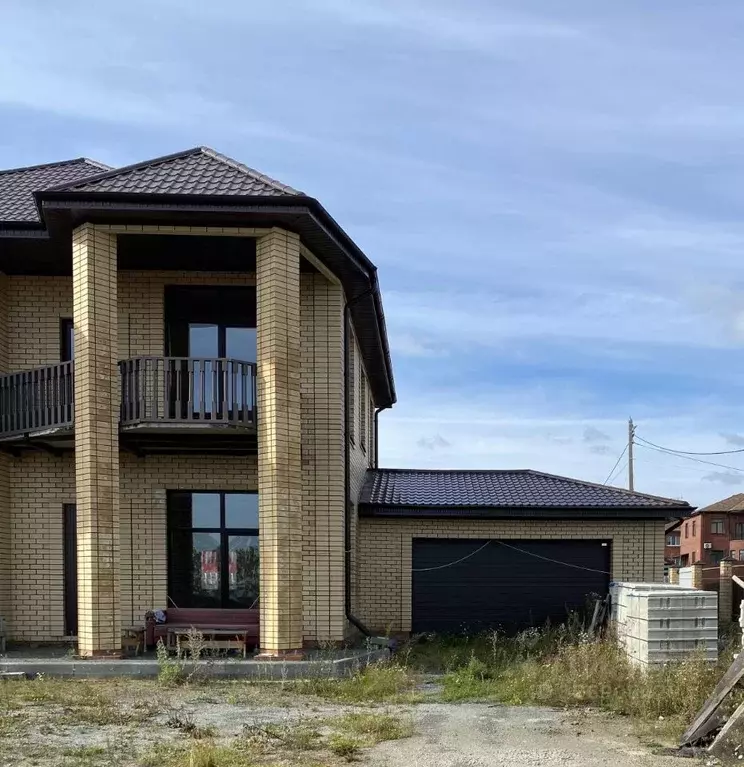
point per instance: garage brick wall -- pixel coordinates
(384, 567)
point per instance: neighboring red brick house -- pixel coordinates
(672, 542)
(714, 532)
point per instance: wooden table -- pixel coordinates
(133, 639)
(219, 638)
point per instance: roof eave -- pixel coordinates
(49, 199)
(521, 512)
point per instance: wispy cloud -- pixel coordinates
(724, 477)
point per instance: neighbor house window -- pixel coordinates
(739, 530)
(693, 529)
(673, 539)
(687, 532)
(741, 555)
(716, 527)
(212, 549)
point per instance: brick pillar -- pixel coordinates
(725, 592)
(279, 440)
(697, 575)
(96, 440)
(674, 576)
(6, 552)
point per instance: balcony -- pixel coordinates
(168, 404)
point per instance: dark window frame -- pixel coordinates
(738, 530)
(66, 339)
(717, 527)
(224, 533)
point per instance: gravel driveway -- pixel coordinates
(481, 735)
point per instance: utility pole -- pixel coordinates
(631, 435)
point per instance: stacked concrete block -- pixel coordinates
(657, 623)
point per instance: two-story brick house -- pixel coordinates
(713, 532)
(193, 356)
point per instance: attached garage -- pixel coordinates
(471, 585)
(453, 551)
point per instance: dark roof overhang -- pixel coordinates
(61, 212)
(522, 512)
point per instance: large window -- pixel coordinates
(739, 530)
(716, 527)
(213, 549)
(673, 539)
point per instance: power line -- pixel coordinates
(688, 452)
(617, 474)
(690, 458)
(548, 559)
(612, 471)
(450, 564)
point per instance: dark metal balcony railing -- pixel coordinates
(154, 391)
(37, 400)
(169, 390)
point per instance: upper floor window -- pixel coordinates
(693, 529)
(673, 539)
(66, 340)
(352, 387)
(363, 411)
(739, 530)
(716, 527)
(687, 532)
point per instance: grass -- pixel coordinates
(379, 683)
(562, 668)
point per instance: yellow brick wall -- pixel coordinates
(321, 320)
(359, 461)
(35, 306)
(39, 486)
(143, 518)
(384, 571)
(142, 310)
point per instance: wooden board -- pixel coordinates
(706, 720)
(718, 745)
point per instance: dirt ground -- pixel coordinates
(482, 735)
(139, 724)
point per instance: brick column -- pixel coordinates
(6, 553)
(279, 440)
(697, 575)
(725, 592)
(674, 576)
(96, 440)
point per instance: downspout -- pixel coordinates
(377, 436)
(347, 478)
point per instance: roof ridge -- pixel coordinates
(392, 470)
(623, 490)
(252, 172)
(205, 150)
(58, 164)
(125, 169)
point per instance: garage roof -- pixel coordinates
(507, 492)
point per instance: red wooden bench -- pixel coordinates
(244, 621)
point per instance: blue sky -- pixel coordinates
(553, 193)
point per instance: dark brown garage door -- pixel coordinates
(474, 585)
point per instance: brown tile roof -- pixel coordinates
(196, 171)
(18, 185)
(732, 503)
(505, 488)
